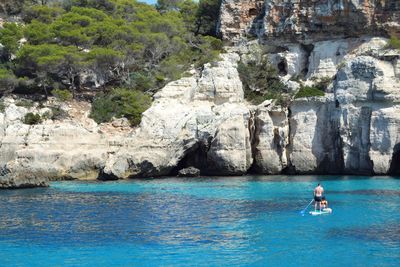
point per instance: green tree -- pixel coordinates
(120, 103)
(105, 62)
(42, 13)
(107, 5)
(38, 33)
(8, 81)
(166, 5)
(207, 17)
(10, 35)
(47, 62)
(11, 7)
(188, 10)
(123, 42)
(69, 29)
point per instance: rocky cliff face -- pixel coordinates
(307, 20)
(71, 148)
(204, 121)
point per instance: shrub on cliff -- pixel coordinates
(32, 118)
(394, 42)
(120, 103)
(62, 95)
(10, 34)
(308, 91)
(260, 80)
(2, 106)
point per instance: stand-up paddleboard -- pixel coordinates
(322, 212)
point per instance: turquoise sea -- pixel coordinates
(235, 221)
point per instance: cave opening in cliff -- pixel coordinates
(395, 163)
(195, 157)
(253, 12)
(282, 67)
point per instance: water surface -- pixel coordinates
(243, 221)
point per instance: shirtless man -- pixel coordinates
(318, 191)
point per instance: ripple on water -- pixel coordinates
(368, 192)
(240, 222)
(136, 217)
(386, 233)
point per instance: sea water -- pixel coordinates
(242, 221)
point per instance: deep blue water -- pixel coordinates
(246, 221)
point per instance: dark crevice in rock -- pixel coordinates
(395, 163)
(367, 165)
(257, 24)
(338, 157)
(106, 177)
(290, 168)
(254, 130)
(283, 67)
(195, 157)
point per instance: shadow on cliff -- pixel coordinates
(257, 25)
(196, 157)
(329, 140)
(395, 163)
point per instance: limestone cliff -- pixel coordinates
(74, 147)
(204, 121)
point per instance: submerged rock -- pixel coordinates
(189, 172)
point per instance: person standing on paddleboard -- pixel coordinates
(318, 191)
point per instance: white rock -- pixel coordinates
(325, 58)
(271, 139)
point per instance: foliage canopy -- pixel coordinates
(63, 47)
(121, 42)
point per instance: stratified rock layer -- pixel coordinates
(307, 19)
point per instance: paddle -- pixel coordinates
(302, 212)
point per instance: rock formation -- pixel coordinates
(307, 20)
(71, 148)
(203, 121)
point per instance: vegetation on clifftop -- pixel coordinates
(82, 45)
